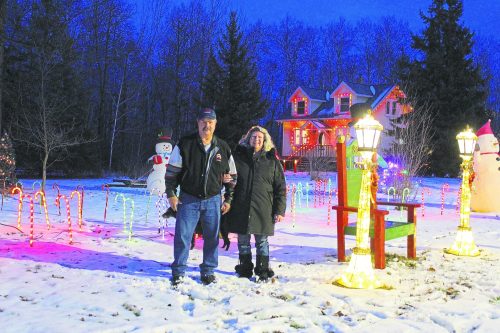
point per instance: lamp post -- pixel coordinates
(360, 273)
(464, 242)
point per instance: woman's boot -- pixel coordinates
(262, 269)
(245, 267)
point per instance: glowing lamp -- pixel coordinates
(360, 273)
(466, 143)
(464, 242)
(368, 134)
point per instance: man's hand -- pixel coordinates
(225, 208)
(278, 218)
(227, 178)
(173, 202)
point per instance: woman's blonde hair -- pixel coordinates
(268, 141)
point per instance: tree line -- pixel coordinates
(86, 84)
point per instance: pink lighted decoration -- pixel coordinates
(43, 202)
(105, 187)
(19, 205)
(56, 187)
(444, 189)
(424, 192)
(80, 210)
(32, 217)
(68, 214)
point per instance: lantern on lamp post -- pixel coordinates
(464, 242)
(360, 273)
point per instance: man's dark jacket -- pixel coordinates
(202, 172)
(260, 192)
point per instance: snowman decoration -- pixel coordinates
(486, 186)
(163, 148)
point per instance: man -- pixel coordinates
(201, 164)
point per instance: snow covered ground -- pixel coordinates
(104, 282)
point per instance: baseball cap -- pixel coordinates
(206, 113)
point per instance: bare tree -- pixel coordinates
(412, 144)
(3, 13)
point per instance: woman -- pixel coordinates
(259, 200)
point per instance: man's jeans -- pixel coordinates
(189, 211)
(261, 244)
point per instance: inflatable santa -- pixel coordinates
(485, 195)
(163, 148)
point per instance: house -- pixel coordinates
(316, 117)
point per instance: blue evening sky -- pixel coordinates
(482, 16)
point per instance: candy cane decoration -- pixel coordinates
(329, 205)
(307, 195)
(56, 187)
(389, 193)
(68, 214)
(105, 187)
(43, 202)
(161, 221)
(19, 205)
(424, 191)
(404, 198)
(124, 210)
(444, 189)
(149, 201)
(32, 217)
(80, 211)
(294, 191)
(82, 190)
(300, 194)
(40, 187)
(131, 218)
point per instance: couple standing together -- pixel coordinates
(254, 196)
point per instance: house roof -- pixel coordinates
(375, 93)
(313, 93)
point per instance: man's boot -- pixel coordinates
(262, 269)
(245, 267)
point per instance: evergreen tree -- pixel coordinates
(446, 78)
(7, 161)
(231, 86)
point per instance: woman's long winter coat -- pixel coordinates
(260, 192)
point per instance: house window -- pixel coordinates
(345, 104)
(388, 108)
(301, 107)
(301, 137)
(394, 108)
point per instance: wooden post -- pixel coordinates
(342, 198)
(412, 242)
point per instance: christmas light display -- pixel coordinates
(80, 205)
(428, 192)
(161, 207)
(444, 189)
(105, 187)
(43, 203)
(464, 242)
(56, 187)
(131, 218)
(359, 273)
(68, 214)
(389, 190)
(82, 191)
(19, 191)
(120, 195)
(32, 216)
(7, 161)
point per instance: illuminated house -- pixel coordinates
(316, 117)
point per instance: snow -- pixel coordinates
(105, 283)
